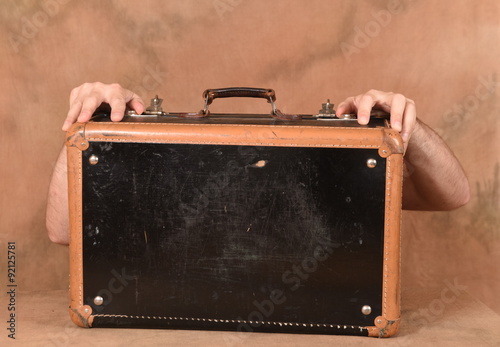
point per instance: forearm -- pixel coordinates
(434, 179)
(57, 218)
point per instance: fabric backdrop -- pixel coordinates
(442, 54)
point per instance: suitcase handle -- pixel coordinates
(211, 94)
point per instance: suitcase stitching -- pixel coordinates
(232, 143)
(80, 218)
(388, 222)
(234, 321)
(242, 125)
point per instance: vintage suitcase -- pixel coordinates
(265, 223)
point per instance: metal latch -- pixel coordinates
(155, 106)
(326, 111)
(154, 109)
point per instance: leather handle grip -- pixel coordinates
(244, 92)
(239, 92)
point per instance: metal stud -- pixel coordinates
(366, 310)
(347, 116)
(98, 300)
(94, 159)
(371, 163)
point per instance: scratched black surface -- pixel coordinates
(217, 232)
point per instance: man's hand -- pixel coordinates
(402, 110)
(85, 99)
(434, 179)
(83, 102)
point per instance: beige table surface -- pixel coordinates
(431, 317)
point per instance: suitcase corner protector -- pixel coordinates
(75, 137)
(384, 327)
(81, 316)
(392, 144)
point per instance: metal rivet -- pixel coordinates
(371, 163)
(86, 310)
(98, 300)
(93, 159)
(347, 116)
(379, 321)
(366, 310)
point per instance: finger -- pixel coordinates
(346, 106)
(118, 104)
(73, 113)
(75, 104)
(136, 104)
(89, 105)
(365, 104)
(398, 104)
(74, 108)
(409, 120)
(117, 108)
(74, 94)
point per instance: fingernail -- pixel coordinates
(363, 120)
(396, 126)
(405, 137)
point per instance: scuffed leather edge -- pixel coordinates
(384, 328)
(392, 144)
(239, 134)
(80, 314)
(75, 137)
(388, 324)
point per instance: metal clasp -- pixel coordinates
(326, 111)
(155, 107)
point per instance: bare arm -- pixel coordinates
(434, 179)
(57, 216)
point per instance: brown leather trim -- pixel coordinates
(384, 329)
(392, 238)
(236, 134)
(388, 324)
(79, 313)
(81, 316)
(75, 137)
(393, 141)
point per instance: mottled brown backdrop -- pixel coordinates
(443, 54)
